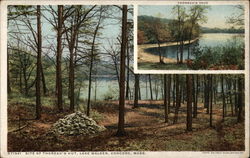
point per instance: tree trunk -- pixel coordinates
(71, 80)
(127, 87)
(189, 83)
(230, 96)
(235, 97)
(156, 89)
(177, 106)
(121, 121)
(174, 89)
(165, 98)
(38, 71)
(194, 97)
(59, 59)
(211, 99)
(139, 89)
(91, 63)
(150, 87)
(240, 98)
(136, 90)
(223, 97)
(169, 91)
(206, 92)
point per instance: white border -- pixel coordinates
(188, 154)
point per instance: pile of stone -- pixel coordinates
(76, 124)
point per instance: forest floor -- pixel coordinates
(145, 130)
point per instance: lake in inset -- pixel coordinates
(206, 40)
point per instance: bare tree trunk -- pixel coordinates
(196, 96)
(71, 80)
(136, 90)
(165, 98)
(150, 87)
(240, 97)
(223, 97)
(38, 71)
(139, 88)
(59, 60)
(91, 63)
(173, 92)
(206, 92)
(189, 83)
(127, 85)
(235, 97)
(159, 50)
(211, 99)
(156, 89)
(169, 91)
(230, 95)
(177, 106)
(121, 121)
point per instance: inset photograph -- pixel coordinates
(190, 37)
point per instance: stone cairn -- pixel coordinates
(76, 124)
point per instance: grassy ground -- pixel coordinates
(145, 128)
(160, 66)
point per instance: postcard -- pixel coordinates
(124, 78)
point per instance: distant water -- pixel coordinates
(206, 40)
(111, 88)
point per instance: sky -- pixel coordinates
(111, 28)
(217, 14)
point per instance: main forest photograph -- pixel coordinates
(191, 37)
(72, 87)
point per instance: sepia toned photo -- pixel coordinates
(191, 37)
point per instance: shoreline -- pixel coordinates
(144, 56)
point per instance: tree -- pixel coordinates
(24, 21)
(128, 58)
(196, 16)
(121, 120)
(240, 99)
(158, 30)
(178, 96)
(59, 59)
(92, 57)
(150, 87)
(180, 11)
(210, 77)
(206, 90)
(141, 38)
(114, 54)
(166, 93)
(195, 95)
(189, 102)
(81, 16)
(223, 97)
(136, 91)
(38, 67)
(237, 19)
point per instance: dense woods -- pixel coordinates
(50, 71)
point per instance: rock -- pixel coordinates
(76, 124)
